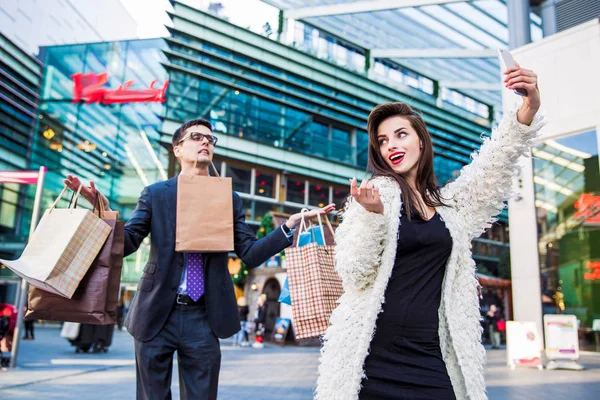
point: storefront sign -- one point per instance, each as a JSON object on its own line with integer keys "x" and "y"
{"x": 20, "y": 177}
{"x": 562, "y": 341}
{"x": 594, "y": 268}
{"x": 523, "y": 344}
{"x": 90, "y": 88}
{"x": 282, "y": 327}
{"x": 588, "y": 209}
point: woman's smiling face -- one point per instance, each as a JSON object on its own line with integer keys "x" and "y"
{"x": 399, "y": 145}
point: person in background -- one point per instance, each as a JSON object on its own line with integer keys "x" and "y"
{"x": 29, "y": 335}
{"x": 260, "y": 322}
{"x": 120, "y": 314}
{"x": 241, "y": 337}
{"x": 492, "y": 317}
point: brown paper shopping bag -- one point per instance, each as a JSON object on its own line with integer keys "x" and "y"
{"x": 95, "y": 300}
{"x": 314, "y": 285}
{"x": 62, "y": 248}
{"x": 204, "y": 214}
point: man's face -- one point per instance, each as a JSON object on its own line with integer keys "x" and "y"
{"x": 195, "y": 145}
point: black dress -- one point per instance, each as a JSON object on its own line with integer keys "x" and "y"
{"x": 405, "y": 360}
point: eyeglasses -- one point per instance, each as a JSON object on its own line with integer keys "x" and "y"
{"x": 198, "y": 137}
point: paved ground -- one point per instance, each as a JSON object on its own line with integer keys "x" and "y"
{"x": 50, "y": 369}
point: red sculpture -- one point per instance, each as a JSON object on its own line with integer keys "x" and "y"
{"x": 89, "y": 88}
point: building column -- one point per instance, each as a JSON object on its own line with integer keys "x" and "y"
{"x": 548, "y": 14}
{"x": 519, "y": 32}
{"x": 285, "y": 30}
{"x": 524, "y": 254}
{"x": 354, "y": 145}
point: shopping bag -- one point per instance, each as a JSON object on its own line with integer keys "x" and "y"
{"x": 62, "y": 248}
{"x": 70, "y": 330}
{"x": 313, "y": 234}
{"x": 204, "y": 214}
{"x": 314, "y": 285}
{"x": 95, "y": 300}
{"x": 284, "y": 296}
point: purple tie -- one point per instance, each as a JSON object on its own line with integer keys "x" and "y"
{"x": 195, "y": 276}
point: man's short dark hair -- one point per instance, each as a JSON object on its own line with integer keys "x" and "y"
{"x": 192, "y": 122}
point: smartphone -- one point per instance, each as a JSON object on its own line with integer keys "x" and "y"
{"x": 509, "y": 62}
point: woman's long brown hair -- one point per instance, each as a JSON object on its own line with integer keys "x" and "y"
{"x": 426, "y": 183}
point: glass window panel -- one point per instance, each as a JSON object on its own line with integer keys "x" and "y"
{"x": 318, "y": 195}
{"x": 7, "y": 214}
{"x": 567, "y": 200}
{"x": 247, "y": 206}
{"x": 260, "y": 209}
{"x": 265, "y": 184}
{"x": 295, "y": 190}
{"x": 339, "y": 197}
{"x": 240, "y": 178}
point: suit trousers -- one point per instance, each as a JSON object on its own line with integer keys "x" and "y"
{"x": 198, "y": 355}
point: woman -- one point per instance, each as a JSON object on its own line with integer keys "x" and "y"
{"x": 408, "y": 323}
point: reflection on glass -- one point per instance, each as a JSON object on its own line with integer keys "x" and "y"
{"x": 265, "y": 184}
{"x": 567, "y": 200}
{"x": 240, "y": 178}
{"x": 295, "y": 190}
{"x": 318, "y": 195}
{"x": 339, "y": 197}
{"x": 260, "y": 209}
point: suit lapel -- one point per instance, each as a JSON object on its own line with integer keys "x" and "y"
{"x": 170, "y": 200}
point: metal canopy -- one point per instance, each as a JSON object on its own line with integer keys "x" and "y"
{"x": 422, "y": 32}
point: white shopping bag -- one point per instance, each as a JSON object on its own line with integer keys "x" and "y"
{"x": 70, "y": 330}
{"x": 62, "y": 249}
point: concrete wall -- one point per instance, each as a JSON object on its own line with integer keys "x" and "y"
{"x": 568, "y": 66}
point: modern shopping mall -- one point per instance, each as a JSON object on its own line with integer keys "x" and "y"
{"x": 290, "y": 111}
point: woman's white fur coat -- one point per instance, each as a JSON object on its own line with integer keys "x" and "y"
{"x": 365, "y": 255}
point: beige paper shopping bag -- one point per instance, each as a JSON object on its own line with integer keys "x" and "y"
{"x": 96, "y": 298}
{"x": 62, "y": 249}
{"x": 204, "y": 214}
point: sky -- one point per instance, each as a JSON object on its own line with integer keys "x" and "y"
{"x": 151, "y": 16}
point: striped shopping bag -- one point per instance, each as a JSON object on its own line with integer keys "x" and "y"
{"x": 314, "y": 285}
{"x": 62, "y": 248}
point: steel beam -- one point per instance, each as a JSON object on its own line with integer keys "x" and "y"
{"x": 465, "y": 85}
{"x": 357, "y": 7}
{"x": 434, "y": 53}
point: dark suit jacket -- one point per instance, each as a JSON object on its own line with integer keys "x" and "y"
{"x": 155, "y": 214}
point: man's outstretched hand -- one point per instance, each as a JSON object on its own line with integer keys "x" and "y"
{"x": 88, "y": 192}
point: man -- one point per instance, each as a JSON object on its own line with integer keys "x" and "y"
{"x": 170, "y": 313}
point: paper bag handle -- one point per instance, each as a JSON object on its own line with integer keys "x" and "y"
{"x": 71, "y": 206}
{"x": 99, "y": 204}
{"x": 303, "y": 226}
{"x": 214, "y": 169}
{"x": 328, "y": 225}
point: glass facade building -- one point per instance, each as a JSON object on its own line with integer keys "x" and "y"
{"x": 261, "y": 90}
{"x": 117, "y": 145}
{"x": 567, "y": 200}
{"x": 20, "y": 78}
{"x": 291, "y": 126}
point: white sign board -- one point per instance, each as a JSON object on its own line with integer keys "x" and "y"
{"x": 562, "y": 342}
{"x": 523, "y": 344}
